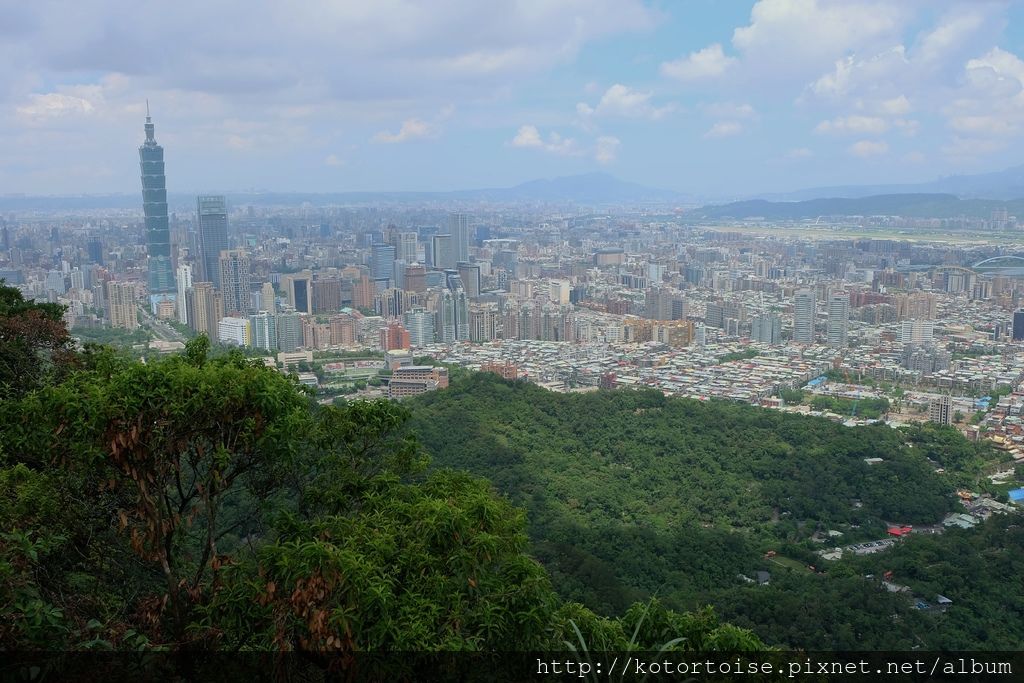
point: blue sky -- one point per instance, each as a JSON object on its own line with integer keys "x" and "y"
{"x": 707, "y": 97}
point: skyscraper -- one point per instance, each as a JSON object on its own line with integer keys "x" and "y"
{"x": 382, "y": 260}
{"x": 766, "y": 328}
{"x": 184, "y": 283}
{"x": 1018, "y": 325}
{"x": 838, "y": 318}
{"x": 235, "y": 281}
{"x": 121, "y": 304}
{"x": 443, "y": 252}
{"x": 154, "y": 206}
{"x": 407, "y": 247}
{"x": 212, "y": 214}
{"x": 205, "y": 308}
{"x": 805, "y": 309}
{"x": 458, "y": 228}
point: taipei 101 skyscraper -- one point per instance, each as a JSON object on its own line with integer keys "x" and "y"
{"x": 154, "y": 205}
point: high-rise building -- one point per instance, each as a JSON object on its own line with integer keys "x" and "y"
{"x": 121, "y": 305}
{"x": 184, "y": 284}
{"x": 443, "y": 252}
{"x": 420, "y": 324}
{"x": 407, "y": 247}
{"x": 393, "y": 337}
{"x": 299, "y": 290}
{"x": 212, "y": 214}
{"x": 235, "y": 280}
{"x": 263, "y": 328}
{"x": 805, "y": 310}
{"x": 940, "y": 410}
{"x": 1018, "y": 325}
{"x": 382, "y": 259}
{"x": 154, "y": 206}
{"x": 268, "y": 298}
{"x": 469, "y": 273}
{"x": 766, "y": 328}
{"x": 289, "y": 331}
{"x": 458, "y": 228}
{"x": 205, "y": 308}
{"x": 236, "y": 331}
{"x": 916, "y": 331}
{"x": 838, "y": 318}
{"x": 94, "y": 248}
{"x": 326, "y": 295}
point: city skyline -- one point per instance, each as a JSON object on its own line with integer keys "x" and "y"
{"x": 696, "y": 97}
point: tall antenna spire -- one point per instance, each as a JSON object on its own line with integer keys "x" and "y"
{"x": 147, "y": 109}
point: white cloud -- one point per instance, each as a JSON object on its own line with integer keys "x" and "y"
{"x": 799, "y": 153}
{"x": 54, "y": 105}
{"x": 729, "y": 110}
{"x": 607, "y": 149}
{"x": 724, "y": 129}
{"x": 854, "y": 124}
{"x": 711, "y": 62}
{"x": 334, "y": 160}
{"x": 412, "y": 129}
{"x": 622, "y": 101}
{"x": 529, "y": 136}
{"x": 868, "y": 148}
{"x": 897, "y": 106}
{"x": 793, "y": 38}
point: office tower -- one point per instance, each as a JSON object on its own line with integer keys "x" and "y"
{"x": 469, "y": 273}
{"x": 94, "y": 248}
{"x": 458, "y": 228}
{"x": 940, "y": 411}
{"x": 326, "y": 295}
{"x": 263, "y": 328}
{"x": 398, "y": 273}
{"x": 805, "y": 309}
{"x": 205, "y": 308}
{"x": 235, "y": 280}
{"x": 121, "y": 305}
{"x": 382, "y": 259}
{"x": 55, "y": 282}
{"x": 415, "y": 278}
{"x": 298, "y": 287}
{"x": 394, "y": 337}
{"x": 420, "y": 324}
{"x": 392, "y": 303}
{"x": 1018, "y": 325}
{"x": 212, "y": 215}
{"x": 154, "y": 206}
{"x": 838, "y": 318}
{"x": 77, "y": 279}
{"x": 407, "y": 247}
{"x": 268, "y": 298}
{"x": 235, "y": 331}
{"x": 289, "y": 331}
{"x": 766, "y": 328}
{"x": 443, "y": 252}
{"x": 184, "y": 278}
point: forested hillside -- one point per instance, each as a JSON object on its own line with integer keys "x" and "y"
{"x": 631, "y": 494}
{"x": 206, "y": 502}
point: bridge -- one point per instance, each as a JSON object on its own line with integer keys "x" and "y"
{"x": 1012, "y": 266}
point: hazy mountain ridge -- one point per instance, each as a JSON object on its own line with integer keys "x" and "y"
{"x": 918, "y": 205}
{"x": 1006, "y": 184}
{"x": 588, "y": 188}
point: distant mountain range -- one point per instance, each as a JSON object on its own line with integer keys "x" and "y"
{"x": 594, "y": 189}
{"x": 1006, "y": 184}
{"x": 909, "y": 205}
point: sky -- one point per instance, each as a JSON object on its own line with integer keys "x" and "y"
{"x": 706, "y": 97}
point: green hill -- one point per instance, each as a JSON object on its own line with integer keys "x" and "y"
{"x": 630, "y": 494}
